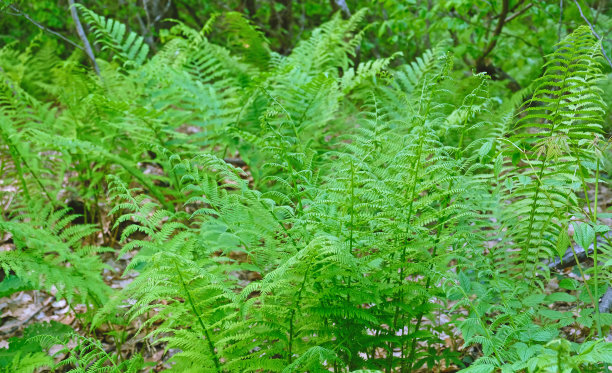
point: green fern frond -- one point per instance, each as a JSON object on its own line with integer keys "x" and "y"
{"x": 129, "y": 47}
{"x": 553, "y": 133}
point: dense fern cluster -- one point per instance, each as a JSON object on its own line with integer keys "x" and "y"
{"x": 303, "y": 213}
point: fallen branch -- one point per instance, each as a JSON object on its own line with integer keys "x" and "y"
{"x": 235, "y": 162}
{"x": 568, "y": 259}
{"x": 605, "y": 304}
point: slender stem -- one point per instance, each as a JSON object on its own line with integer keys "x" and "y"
{"x": 534, "y": 206}
{"x": 293, "y": 312}
{"x": 560, "y": 21}
{"x": 16, "y": 161}
{"x": 595, "y": 264}
{"x": 441, "y": 223}
{"x": 483, "y": 325}
{"x": 40, "y": 184}
{"x": 519, "y": 13}
{"x": 583, "y": 276}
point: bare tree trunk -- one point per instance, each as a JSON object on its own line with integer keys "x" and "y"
{"x": 83, "y": 37}
{"x": 250, "y": 6}
{"x": 282, "y": 24}
{"x": 340, "y": 5}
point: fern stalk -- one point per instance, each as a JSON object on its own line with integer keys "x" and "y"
{"x": 441, "y": 224}
{"x": 595, "y": 264}
{"x": 17, "y": 165}
{"x": 534, "y": 205}
{"x": 416, "y": 170}
{"x": 19, "y": 159}
{"x": 293, "y": 312}
{"x": 211, "y": 347}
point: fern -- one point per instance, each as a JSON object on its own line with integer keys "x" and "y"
{"x": 550, "y": 149}
{"x": 303, "y": 212}
{"x": 130, "y": 48}
{"x": 44, "y": 243}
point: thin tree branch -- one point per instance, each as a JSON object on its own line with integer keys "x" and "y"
{"x": 83, "y": 37}
{"x": 594, "y": 32}
{"x": 569, "y": 259}
{"x": 20, "y": 13}
{"x": 560, "y": 21}
{"x": 498, "y": 30}
{"x": 520, "y": 12}
{"x": 518, "y": 4}
{"x": 164, "y": 11}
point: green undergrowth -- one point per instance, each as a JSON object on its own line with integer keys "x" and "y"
{"x": 385, "y": 210}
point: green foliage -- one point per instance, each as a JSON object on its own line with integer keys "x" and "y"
{"x": 128, "y": 46}
{"x": 84, "y": 354}
{"x": 552, "y": 150}
{"x": 48, "y": 251}
{"x": 26, "y": 354}
{"x": 380, "y": 207}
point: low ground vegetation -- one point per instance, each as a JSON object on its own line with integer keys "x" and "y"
{"x": 227, "y": 207}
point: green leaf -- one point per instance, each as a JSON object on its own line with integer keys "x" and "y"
{"x": 480, "y": 368}
{"x": 569, "y": 284}
{"x": 498, "y": 165}
{"x": 13, "y": 284}
{"x": 524, "y": 180}
{"x": 524, "y": 351}
{"x": 606, "y": 318}
{"x": 516, "y": 157}
{"x": 551, "y": 314}
{"x": 560, "y": 297}
{"x": 485, "y": 149}
{"x": 534, "y": 300}
{"x": 583, "y": 234}
{"x": 563, "y": 242}
{"x": 586, "y": 317}
{"x": 464, "y": 282}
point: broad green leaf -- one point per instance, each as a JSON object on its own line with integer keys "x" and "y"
{"x": 563, "y": 242}
{"x": 560, "y": 297}
{"x": 534, "y": 300}
{"x": 464, "y": 282}
{"x": 583, "y": 234}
